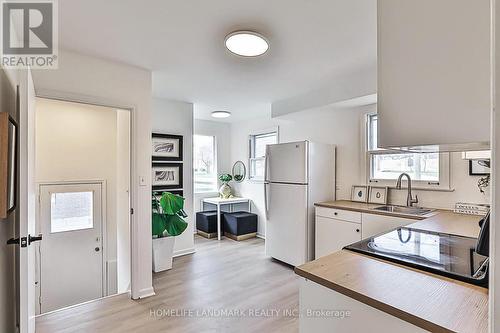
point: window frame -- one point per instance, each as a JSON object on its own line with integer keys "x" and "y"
{"x": 251, "y": 152}
{"x": 216, "y": 178}
{"x": 443, "y": 184}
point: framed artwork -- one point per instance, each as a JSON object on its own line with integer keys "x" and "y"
{"x": 8, "y": 164}
{"x": 479, "y": 168}
{"x": 159, "y": 192}
{"x": 359, "y": 193}
{"x": 378, "y": 194}
{"x": 166, "y": 147}
{"x": 166, "y": 176}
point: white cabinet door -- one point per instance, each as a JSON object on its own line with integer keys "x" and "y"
{"x": 434, "y": 73}
{"x": 332, "y": 235}
{"x": 376, "y": 224}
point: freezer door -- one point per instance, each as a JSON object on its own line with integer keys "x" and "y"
{"x": 287, "y": 163}
{"x": 287, "y": 236}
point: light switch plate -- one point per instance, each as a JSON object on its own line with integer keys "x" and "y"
{"x": 142, "y": 181}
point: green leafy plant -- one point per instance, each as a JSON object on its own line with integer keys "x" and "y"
{"x": 225, "y": 178}
{"x": 168, "y": 215}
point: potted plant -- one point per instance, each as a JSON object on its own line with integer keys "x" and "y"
{"x": 225, "y": 189}
{"x": 168, "y": 222}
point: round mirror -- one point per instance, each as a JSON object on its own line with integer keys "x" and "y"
{"x": 239, "y": 171}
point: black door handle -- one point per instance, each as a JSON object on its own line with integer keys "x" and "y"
{"x": 13, "y": 241}
{"x": 32, "y": 239}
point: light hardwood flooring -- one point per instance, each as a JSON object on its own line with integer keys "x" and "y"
{"x": 257, "y": 293}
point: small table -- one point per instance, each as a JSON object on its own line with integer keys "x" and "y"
{"x": 219, "y": 202}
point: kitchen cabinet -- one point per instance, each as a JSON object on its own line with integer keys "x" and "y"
{"x": 336, "y": 228}
{"x": 333, "y": 234}
{"x": 434, "y": 67}
{"x": 376, "y": 224}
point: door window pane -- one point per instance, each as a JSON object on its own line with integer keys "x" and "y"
{"x": 71, "y": 211}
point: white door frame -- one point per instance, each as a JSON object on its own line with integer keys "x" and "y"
{"x": 135, "y": 292}
{"x": 104, "y": 233}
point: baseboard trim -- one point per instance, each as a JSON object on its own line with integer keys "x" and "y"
{"x": 261, "y": 236}
{"x": 147, "y": 292}
{"x": 79, "y": 304}
{"x": 184, "y": 252}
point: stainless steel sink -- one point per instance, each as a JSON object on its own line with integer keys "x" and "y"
{"x": 405, "y": 210}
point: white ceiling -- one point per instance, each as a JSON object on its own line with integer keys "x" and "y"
{"x": 312, "y": 42}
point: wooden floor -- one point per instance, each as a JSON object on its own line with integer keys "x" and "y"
{"x": 257, "y": 294}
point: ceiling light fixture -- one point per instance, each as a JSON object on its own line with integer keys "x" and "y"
{"x": 246, "y": 43}
{"x": 221, "y": 114}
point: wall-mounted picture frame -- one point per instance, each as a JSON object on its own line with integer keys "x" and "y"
{"x": 479, "y": 168}
{"x": 8, "y": 164}
{"x": 166, "y": 147}
{"x": 378, "y": 194}
{"x": 166, "y": 176}
{"x": 359, "y": 193}
{"x": 176, "y": 192}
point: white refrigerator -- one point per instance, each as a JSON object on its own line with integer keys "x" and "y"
{"x": 297, "y": 175}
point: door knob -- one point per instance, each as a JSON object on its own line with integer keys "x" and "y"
{"x": 32, "y": 239}
{"x": 13, "y": 241}
{"x": 97, "y": 249}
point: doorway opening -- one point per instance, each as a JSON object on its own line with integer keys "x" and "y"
{"x": 82, "y": 171}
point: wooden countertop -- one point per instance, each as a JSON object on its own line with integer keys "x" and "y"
{"x": 430, "y": 301}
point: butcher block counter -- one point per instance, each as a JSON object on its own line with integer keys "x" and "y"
{"x": 421, "y": 300}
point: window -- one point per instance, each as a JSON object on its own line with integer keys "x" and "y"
{"x": 71, "y": 211}
{"x": 257, "y": 153}
{"x": 426, "y": 169}
{"x": 204, "y": 164}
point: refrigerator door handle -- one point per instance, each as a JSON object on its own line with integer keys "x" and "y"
{"x": 265, "y": 200}
{"x": 266, "y": 164}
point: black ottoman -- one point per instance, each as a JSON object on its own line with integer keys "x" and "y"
{"x": 240, "y": 225}
{"x": 206, "y": 224}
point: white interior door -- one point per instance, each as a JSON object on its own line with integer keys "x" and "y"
{"x": 286, "y": 227}
{"x": 71, "y": 254}
{"x": 27, "y": 204}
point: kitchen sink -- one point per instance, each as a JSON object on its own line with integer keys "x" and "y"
{"x": 405, "y": 210}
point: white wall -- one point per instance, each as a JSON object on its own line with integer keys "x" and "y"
{"x": 172, "y": 117}
{"x": 93, "y": 80}
{"x": 222, "y": 133}
{"x": 62, "y": 126}
{"x": 342, "y": 127}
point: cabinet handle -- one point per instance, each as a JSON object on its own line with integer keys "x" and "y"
{"x": 335, "y": 213}
{"x": 357, "y": 230}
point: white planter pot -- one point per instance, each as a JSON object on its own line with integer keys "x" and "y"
{"x": 163, "y": 249}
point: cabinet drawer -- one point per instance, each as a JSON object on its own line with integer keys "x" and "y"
{"x": 339, "y": 214}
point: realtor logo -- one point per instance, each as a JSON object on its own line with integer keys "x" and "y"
{"x": 29, "y": 34}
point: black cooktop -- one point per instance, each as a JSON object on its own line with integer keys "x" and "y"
{"x": 448, "y": 255}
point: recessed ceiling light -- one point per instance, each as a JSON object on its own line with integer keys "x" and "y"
{"x": 221, "y": 114}
{"x": 246, "y": 43}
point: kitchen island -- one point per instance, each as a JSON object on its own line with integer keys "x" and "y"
{"x": 349, "y": 292}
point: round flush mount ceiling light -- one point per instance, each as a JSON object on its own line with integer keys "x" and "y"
{"x": 221, "y": 114}
{"x": 246, "y": 43}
